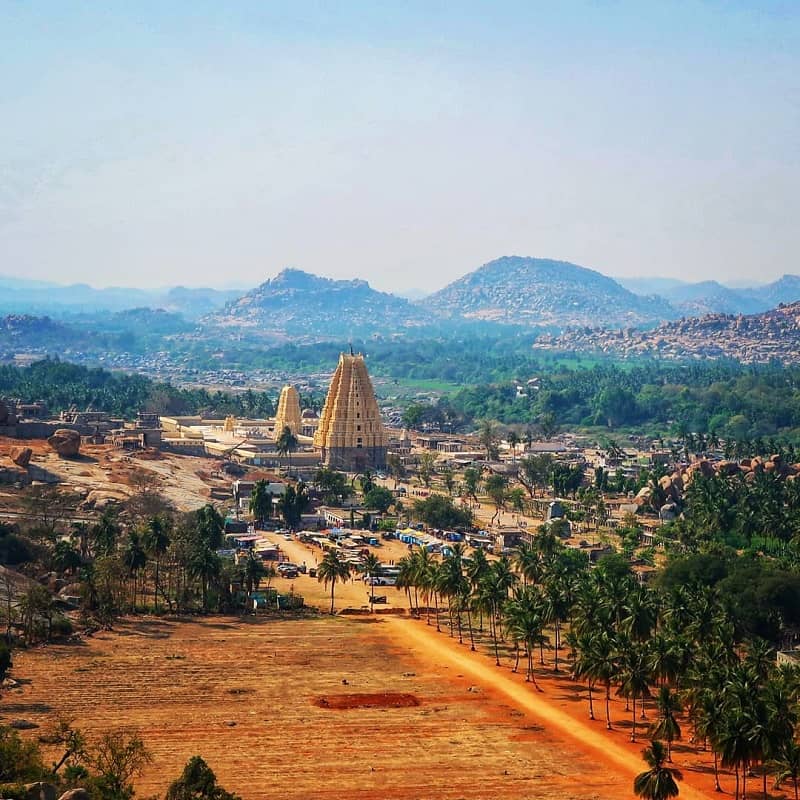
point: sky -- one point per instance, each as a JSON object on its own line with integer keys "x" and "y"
{"x": 407, "y": 143}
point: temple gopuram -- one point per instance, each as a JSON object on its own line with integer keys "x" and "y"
{"x": 350, "y": 435}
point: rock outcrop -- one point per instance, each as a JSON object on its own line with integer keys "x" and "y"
{"x": 5, "y": 414}
{"x": 75, "y": 794}
{"x": 21, "y": 456}
{"x": 40, "y": 791}
{"x": 65, "y": 442}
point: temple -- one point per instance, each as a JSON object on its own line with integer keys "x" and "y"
{"x": 288, "y": 413}
{"x": 350, "y": 435}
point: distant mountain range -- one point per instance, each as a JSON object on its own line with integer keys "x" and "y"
{"x": 532, "y": 292}
{"x": 21, "y": 296}
{"x": 712, "y": 297}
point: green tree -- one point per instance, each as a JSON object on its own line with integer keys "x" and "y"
{"x": 331, "y": 570}
{"x": 198, "y": 782}
{"x": 658, "y": 782}
{"x": 293, "y": 504}
{"x": 371, "y": 567}
{"x": 666, "y": 726}
{"x": 286, "y": 444}
{"x": 156, "y": 541}
{"x": 261, "y": 502}
{"x": 379, "y": 498}
{"x": 438, "y": 511}
{"x": 206, "y": 566}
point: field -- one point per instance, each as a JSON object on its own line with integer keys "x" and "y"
{"x": 266, "y": 703}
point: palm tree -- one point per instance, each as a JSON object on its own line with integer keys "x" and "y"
{"x": 254, "y": 571}
{"x": 135, "y": 558}
{"x": 156, "y": 542}
{"x": 512, "y": 437}
{"x": 371, "y": 566}
{"x": 666, "y": 727}
{"x": 525, "y": 623}
{"x": 786, "y": 764}
{"x": 583, "y": 665}
{"x": 204, "y": 565}
{"x": 286, "y": 443}
{"x": 658, "y": 782}
{"x": 331, "y": 570}
{"x": 527, "y": 562}
{"x": 634, "y": 675}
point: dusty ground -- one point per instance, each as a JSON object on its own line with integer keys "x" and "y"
{"x": 247, "y": 696}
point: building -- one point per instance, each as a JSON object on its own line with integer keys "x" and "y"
{"x": 350, "y": 435}
{"x": 288, "y": 413}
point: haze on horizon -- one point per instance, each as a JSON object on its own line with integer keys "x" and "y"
{"x": 214, "y": 144}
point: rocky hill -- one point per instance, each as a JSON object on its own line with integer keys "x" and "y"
{"x": 538, "y": 291}
{"x": 299, "y": 304}
{"x": 754, "y": 339}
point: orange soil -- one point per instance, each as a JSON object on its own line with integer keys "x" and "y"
{"x": 241, "y": 693}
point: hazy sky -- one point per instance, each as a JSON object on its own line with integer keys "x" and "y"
{"x": 212, "y": 143}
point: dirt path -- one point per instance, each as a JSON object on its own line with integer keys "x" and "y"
{"x": 425, "y": 644}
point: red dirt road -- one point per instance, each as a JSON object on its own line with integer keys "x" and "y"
{"x": 612, "y": 750}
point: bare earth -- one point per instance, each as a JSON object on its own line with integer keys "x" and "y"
{"x": 247, "y": 696}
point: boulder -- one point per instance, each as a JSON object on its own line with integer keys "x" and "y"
{"x": 727, "y": 467}
{"x": 40, "y": 791}
{"x": 21, "y": 456}
{"x": 65, "y": 442}
{"x": 75, "y": 794}
{"x": 100, "y": 499}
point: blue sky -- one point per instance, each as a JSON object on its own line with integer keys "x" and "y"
{"x": 209, "y": 143}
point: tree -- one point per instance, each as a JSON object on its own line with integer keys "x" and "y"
{"x": 331, "y": 570}
{"x": 117, "y": 757}
{"x": 210, "y": 526}
{"x": 333, "y": 485}
{"x": 254, "y": 573}
{"x": 371, "y": 567}
{"x": 292, "y": 504}
{"x": 472, "y": 480}
{"x": 198, "y": 782}
{"x": 204, "y": 565}
{"x": 379, "y": 498}
{"x": 19, "y": 760}
{"x": 658, "y": 782}
{"x": 156, "y": 540}
{"x": 634, "y": 675}
{"x": 261, "y": 502}
{"x": 666, "y": 727}
{"x": 512, "y": 437}
{"x": 786, "y": 764}
{"x": 496, "y": 486}
{"x": 425, "y": 467}
{"x": 135, "y": 558}
{"x": 535, "y": 471}
{"x": 439, "y": 511}
{"x": 488, "y": 439}
{"x": 286, "y": 444}
{"x": 396, "y": 467}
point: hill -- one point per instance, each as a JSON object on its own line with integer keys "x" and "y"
{"x": 713, "y": 297}
{"x": 299, "y": 304}
{"x": 772, "y": 335}
{"x": 538, "y": 291}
